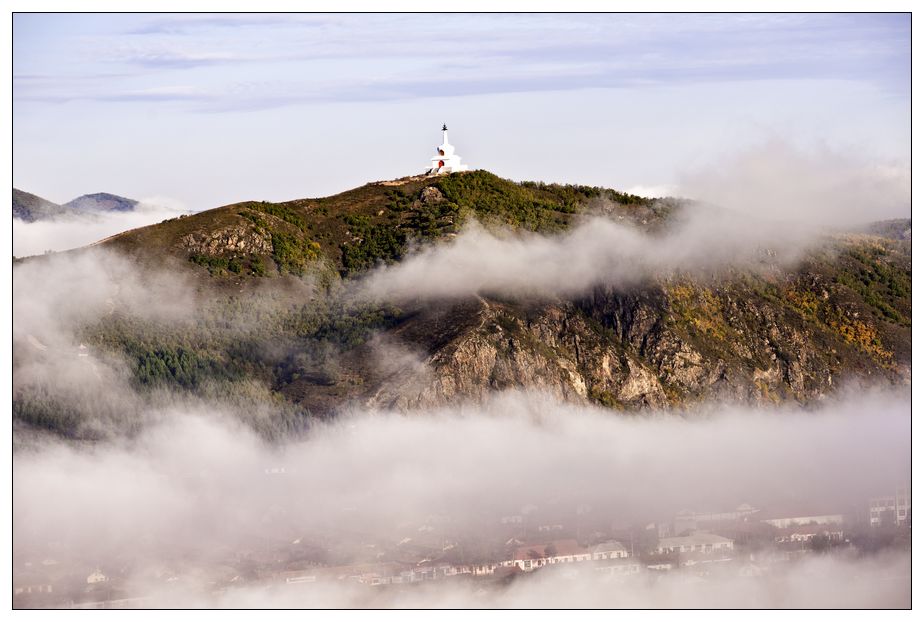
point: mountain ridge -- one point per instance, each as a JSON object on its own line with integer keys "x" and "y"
{"x": 30, "y": 207}
{"x": 759, "y": 335}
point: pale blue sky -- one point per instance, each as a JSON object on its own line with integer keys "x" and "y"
{"x": 215, "y": 109}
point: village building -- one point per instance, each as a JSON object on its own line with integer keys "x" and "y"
{"x": 611, "y": 549}
{"x": 300, "y": 576}
{"x": 695, "y": 543}
{"x": 32, "y": 587}
{"x": 372, "y": 574}
{"x": 818, "y": 519}
{"x": 483, "y": 569}
{"x": 528, "y": 558}
{"x": 805, "y": 533}
{"x": 687, "y": 520}
{"x": 894, "y": 510}
{"x": 96, "y": 577}
{"x": 743, "y": 510}
{"x": 477, "y": 570}
{"x": 445, "y": 160}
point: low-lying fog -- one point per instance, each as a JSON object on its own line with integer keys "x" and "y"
{"x": 196, "y": 491}
{"x": 81, "y": 228}
{"x": 881, "y": 582}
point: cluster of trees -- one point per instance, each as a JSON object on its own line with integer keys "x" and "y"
{"x": 281, "y": 211}
{"x": 235, "y": 264}
{"x": 386, "y": 242}
{"x": 572, "y": 195}
{"x": 293, "y": 253}
{"x": 231, "y": 339}
{"x": 882, "y": 285}
{"x": 375, "y": 242}
{"x": 178, "y": 365}
{"x": 237, "y": 351}
{"x": 494, "y": 199}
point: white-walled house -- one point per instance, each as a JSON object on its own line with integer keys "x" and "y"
{"x": 611, "y": 549}
{"x": 818, "y": 519}
{"x": 529, "y": 558}
{"x": 695, "y": 543}
{"x": 97, "y": 577}
{"x": 805, "y": 533}
{"x": 742, "y": 511}
{"x": 892, "y": 509}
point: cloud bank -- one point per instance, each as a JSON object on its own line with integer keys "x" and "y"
{"x": 831, "y": 582}
{"x": 197, "y": 491}
{"x": 599, "y": 251}
{"x": 81, "y": 229}
{"x": 805, "y": 186}
{"x": 53, "y": 296}
{"x": 65, "y": 301}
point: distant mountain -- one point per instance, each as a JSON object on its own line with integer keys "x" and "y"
{"x": 897, "y": 229}
{"x": 102, "y": 202}
{"x": 30, "y": 207}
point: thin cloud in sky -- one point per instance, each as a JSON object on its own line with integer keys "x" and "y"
{"x": 529, "y": 96}
{"x": 518, "y": 53}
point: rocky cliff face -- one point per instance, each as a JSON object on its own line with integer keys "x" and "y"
{"x": 230, "y": 239}
{"x": 771, "y": 338}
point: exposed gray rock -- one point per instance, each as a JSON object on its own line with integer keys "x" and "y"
{"x": 431, "y": 195}
{"x": 231, "y": 239}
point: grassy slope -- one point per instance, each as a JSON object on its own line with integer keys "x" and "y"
{"x": 354, "y": 230}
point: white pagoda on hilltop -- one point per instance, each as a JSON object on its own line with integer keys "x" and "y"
{"x": 445, "y": 160}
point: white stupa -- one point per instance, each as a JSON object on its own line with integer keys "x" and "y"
{"x": 445, "y": 160}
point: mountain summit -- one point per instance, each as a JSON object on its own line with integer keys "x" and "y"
{"x": 102, "y": 202}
